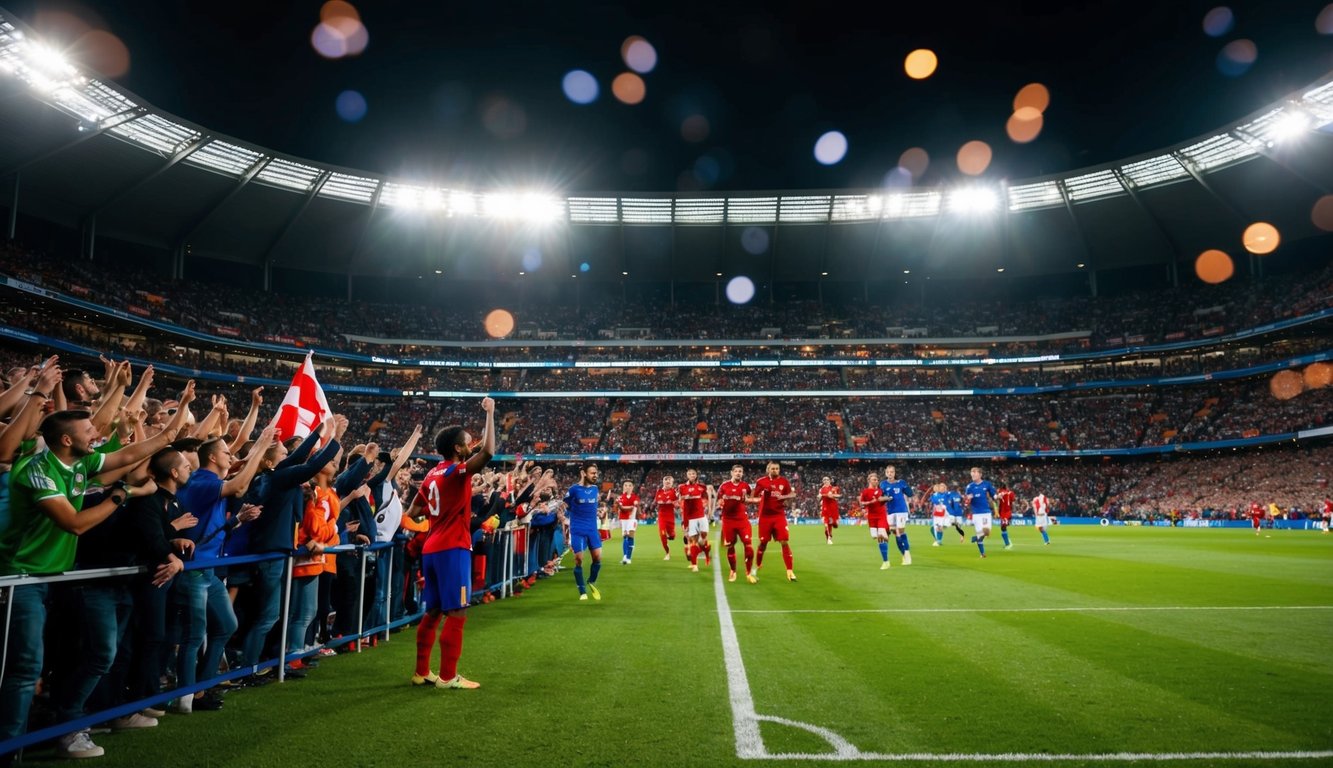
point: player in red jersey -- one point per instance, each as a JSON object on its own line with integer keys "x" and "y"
{"x": 877, "y": 516}
{"x": 445, "y": 498}
{"x": 627, "y": 505}
{"x": 1004, "y": 501}
{"x": 667, "y": 499}
{"x": 1256, "y": 516}
{"x": 1328, "y": 514}
{"x": 828, "y": 506}
{"x": 693, "y": 497}
{"x": 1041, "y": 515}
{"x": 771, "y": 493}
{"x": 733, "y": 495}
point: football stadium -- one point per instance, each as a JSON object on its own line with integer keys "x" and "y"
{"x": 613, "y": 384}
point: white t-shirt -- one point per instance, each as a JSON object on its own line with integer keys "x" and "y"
{"x": 389, "y": 516}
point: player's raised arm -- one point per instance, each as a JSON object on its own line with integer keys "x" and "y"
{"x": 487, "y": 448}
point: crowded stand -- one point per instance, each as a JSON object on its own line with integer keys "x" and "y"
{"x": 1144, "y": 317}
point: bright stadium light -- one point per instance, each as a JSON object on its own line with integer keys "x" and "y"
{"x": 462, "y": 203}
{"x": 973, "y": 200}
{"x": 533, "y": 207}
{"x": 1291, "y": 125}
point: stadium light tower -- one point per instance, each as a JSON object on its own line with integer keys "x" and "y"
{"x": 973, "y": 200}
{"x": 1291, "y": 125}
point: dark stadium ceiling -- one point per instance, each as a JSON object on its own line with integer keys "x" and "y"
{"x": 92, "y": 154}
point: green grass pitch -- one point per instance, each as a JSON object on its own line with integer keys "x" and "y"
{"x": 952, "y": 654}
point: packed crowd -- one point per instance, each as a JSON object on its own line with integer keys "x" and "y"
{"x": 1143, "y": 317}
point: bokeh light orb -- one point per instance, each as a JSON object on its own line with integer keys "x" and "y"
{"x": 334, "y": 9}
{"x": 351, "y": 106}
{"x": 1318, "y": 375}
{"x": 532, "y": 259}
{"x": 1214, "y": 266}
{"x": 755, "y": 240}
{"x": 974, "y": 158}
{"x": 740, "y": 290}
{"x": 1323, "y": 23}
{"x": 584, "y": 267}
{"x": 1261, "y": 238}
{"x": 104, "y": 52}
{"x": 1286, "y": 384}
{"x": 580, "y": 86}
{"x": 921, "y": 64}
{"x": 915, "y": 161}
{"x": 629, "y": 88}
{"x": 499, "y": 323}
{"x": 639, "y": 54}
{"x": 831, "y": 148}
{"x": 503, "y": 118}
{"x": 1322, "y": 213}
{"x": 1218, "y": 21}
{"x": 1236, "y": 57}
{"x": 1024, "y": 125}
{"x": 1033, "y": 95}
{"x": 694, "y": 128}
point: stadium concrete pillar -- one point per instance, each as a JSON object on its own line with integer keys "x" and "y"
{"x": 1092, "y": 282}
{"x": 89, "y": 236}
{"x": 268, "y": 275}
{"x": 14, "y": 208}
{"x": 178, "y": 262}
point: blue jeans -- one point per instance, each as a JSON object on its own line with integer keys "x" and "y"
{"x": 304, "y": 606}
{"x": 104, "y": 614}
{"x": 24, "y": 665}
{"x": 206, "y": 612}
{"x": 267, "y": 583}
{"x": 396, "y": 576}
{"x": 376, "y": 616}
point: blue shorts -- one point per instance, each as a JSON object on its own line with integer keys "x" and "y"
{"x": 581, "y": 540}
{"x": 448, "y": 576}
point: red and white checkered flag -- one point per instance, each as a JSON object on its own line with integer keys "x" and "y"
{"x": 304, "y": 406}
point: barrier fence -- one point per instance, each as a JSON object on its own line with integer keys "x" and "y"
{"x": 508, "y": 561}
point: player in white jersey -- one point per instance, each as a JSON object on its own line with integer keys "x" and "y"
{"x": 1041, "y": 511}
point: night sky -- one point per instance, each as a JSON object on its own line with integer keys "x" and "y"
{"x": 469, "y": 95}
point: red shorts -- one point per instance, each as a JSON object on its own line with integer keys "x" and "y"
{"x": 1255, "y": 521}
{"x": 667, "y": 525}
{"x": 877, "y": 519}
{"x": 731, "y": 529}
{"x": 772, "y": 527}
{"x": 603, "y": 534}
{"x": 1004, "y": 519}
{"x": 830, "y": 518}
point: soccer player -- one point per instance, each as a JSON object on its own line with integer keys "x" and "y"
{"x": 1328, "y": 514}
{"x": 1041, "y": 511}
{"x": 771, "y": 493}
{"x": 736, "y": 522}
{"x": 581, "y": 501}
{"x": 877, "y": 518}
{"x": 1004, "y": 500}
{"x": 445, "y": 497}
{"x": 1256, "y": 516}
{"x": 628, "y": 505}
{"x": 956, "y": 514}
{"x": 828, "y": 506}
{"x": 980, "y": 495}
{"x": 939, "y": 512}
{"x": 896, "y": 491}
{"x": 667, "y": 500}
{"x": 693, "y": 497}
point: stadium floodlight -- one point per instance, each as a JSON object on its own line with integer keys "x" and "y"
{"x": 533, "y": 207}
{"x": 970, "y": 200}
{"x": 432, "y": 199}
{"x": 1290, "y": 125}
{"x": 462, "y": 203}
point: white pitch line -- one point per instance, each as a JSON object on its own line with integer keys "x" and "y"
{"x": 1090, "y": 609}
{"x": 750, "y": 742}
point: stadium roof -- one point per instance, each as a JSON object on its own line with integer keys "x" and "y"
{"x": 86, "y": 153}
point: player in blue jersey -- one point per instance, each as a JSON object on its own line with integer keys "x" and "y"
{"x": 896, "y": 492}
{"x": 980, "y": 496}
{"x": 939, "y": 512}
{"x": 581, "y": 501}
{"x": 957, "y": 515}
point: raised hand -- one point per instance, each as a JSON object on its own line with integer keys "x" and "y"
{"x": 187, "y": 396}
{"x": 256, "y": 397}
{"x": 488, "y": 405}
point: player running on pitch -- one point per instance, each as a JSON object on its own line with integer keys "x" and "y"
{"x": 1041, "y": 513}
{"x": 771, "y": 493}
{"x": 693, "y": 497}
{"x": 939, "y": 512}
{"x": 980, "y": 495}
{"x": 897, "y": 492}
{"x": 828, "y": 506}
{"x": 628, "y": 506}
{"x": 667, "y": 499}
{"x": 1004, "y": 506}
{"x": 877, "y": 519}
{"x": 733, "y": 495}
{"x": 957, "y": 515}
{"x": 581, "y": 501}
